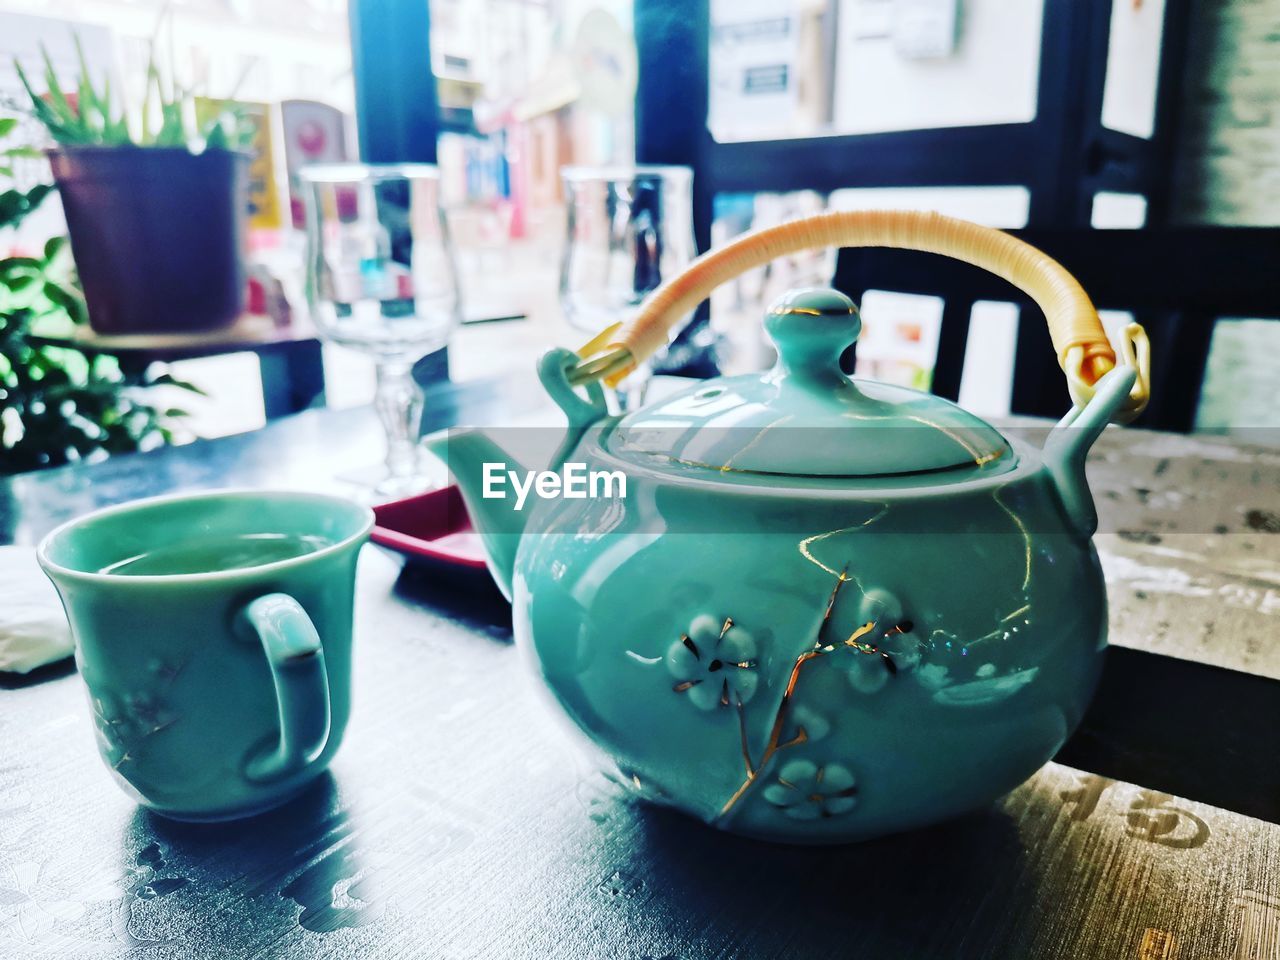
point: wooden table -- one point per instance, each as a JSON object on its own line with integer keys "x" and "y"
{"x": 460, "y": 820}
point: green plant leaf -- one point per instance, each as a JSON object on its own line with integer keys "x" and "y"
{"x": 115, "y": 132}
{"x": 43, "y": 112}
{"x": 171, "y": 132}
{"x": 53, "y": 246}
{"x": 152, "y": 82}
{"x": 21, "y": 282}
{"x": 169, "y": 380}
{"x": 90, "y": 117}
{"x": 93, "y": 112}
{"x": 216, "y": 137}
{"x": 164, "y": 120}
{"x": 10, "y": 264}
{"x": 71, "y": 118}
{"x": 14, "y": 204}
{"x": 27, "y": 153}
{"x": 7, "y": 124}
{"x": 68, "y": 301}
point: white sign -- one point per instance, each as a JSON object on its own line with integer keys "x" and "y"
{"x": 1133, "y": 67}
{"x": 925, "y": 29}
{"x": 990, "y": 76}
{"x": 753, "y": 69}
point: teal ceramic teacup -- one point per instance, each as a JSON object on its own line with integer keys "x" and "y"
{"x": 214, "y": 634}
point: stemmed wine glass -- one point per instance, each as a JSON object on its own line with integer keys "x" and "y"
{"x": 381, "y": 279}
{"x": 628, "y": 229}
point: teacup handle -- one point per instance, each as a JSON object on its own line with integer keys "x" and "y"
{"x": 296, "y": 660}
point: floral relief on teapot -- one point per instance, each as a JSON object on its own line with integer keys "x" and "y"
{"x": 713, "y": 665}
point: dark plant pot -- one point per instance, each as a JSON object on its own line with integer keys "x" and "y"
{"x": 156, "y": 234}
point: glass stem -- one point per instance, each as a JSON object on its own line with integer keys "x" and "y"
{"x": 632, "y": 390}
{"x": 399, "y": 403}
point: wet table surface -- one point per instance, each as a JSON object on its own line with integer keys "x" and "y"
{"x": 460, "y": 820}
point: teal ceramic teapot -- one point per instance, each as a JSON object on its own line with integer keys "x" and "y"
{"x": 823, "y": 609}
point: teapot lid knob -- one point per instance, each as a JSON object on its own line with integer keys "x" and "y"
{"x": 811, "y": 328}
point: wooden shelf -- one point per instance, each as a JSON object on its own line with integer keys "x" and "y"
{"x": 249, "y": 333}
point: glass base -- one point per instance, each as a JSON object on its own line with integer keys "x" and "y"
{"x": 376, "y": 485}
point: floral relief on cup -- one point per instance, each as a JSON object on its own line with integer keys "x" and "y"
{"x": 124, "y": 721}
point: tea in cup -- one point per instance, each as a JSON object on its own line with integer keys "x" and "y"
{"x": 213, "y": 631}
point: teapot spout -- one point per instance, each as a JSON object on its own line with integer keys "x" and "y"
{"x": 479, "y": 465}
{"x": 469, "y": 455}
{"x": 1069, "y": 443}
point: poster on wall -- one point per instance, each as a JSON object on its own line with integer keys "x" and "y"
{"x": 312, "y": 133}
{"x": 899, "y": 338}
{"x": 925, "y": 64}
{"x": 264, "y": 197}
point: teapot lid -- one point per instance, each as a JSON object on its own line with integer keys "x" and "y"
{"x": 806, "y": 418}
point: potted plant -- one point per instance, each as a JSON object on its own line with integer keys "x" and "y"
{"x": 155, "y": 204}
{"x": 58, "y": 405}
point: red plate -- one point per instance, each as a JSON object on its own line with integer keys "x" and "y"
{"x": 430, "y": 526}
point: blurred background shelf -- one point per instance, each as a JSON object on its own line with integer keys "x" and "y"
{"x": 289, "y": 356}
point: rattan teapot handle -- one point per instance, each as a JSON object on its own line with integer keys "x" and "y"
{"x": 1084, "y": 352}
